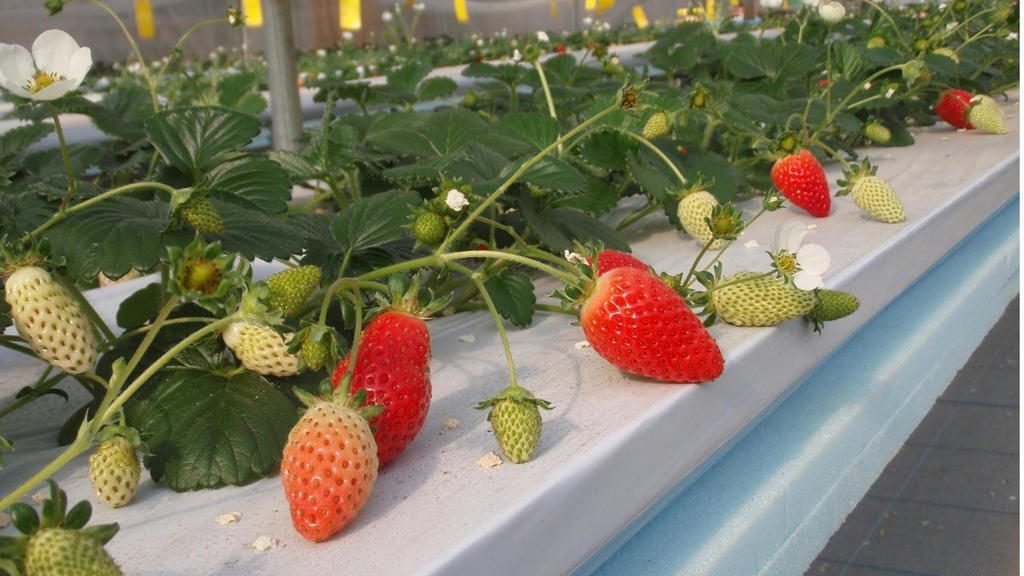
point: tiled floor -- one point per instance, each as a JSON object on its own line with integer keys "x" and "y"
{"x": 947, "y": 504}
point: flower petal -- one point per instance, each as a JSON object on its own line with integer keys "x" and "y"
{"x": 806, "y": 281}
{"x": 814, "y": 259}
{"x": 16, "y": 69}
{"x": 79, "y": 65}
{"x": 52, "y": 51}
{"x": 789, "y": 236}
{"x": 55, "y": 90}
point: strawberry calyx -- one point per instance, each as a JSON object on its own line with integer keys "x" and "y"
{"x": 56, "y": 514}
{"x": 852, "y": 174}
{"x": 516, "y": 393}
{"x": 341, "y": 396}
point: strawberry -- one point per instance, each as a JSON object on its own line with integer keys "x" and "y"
{"x": 656, "y": 126}
{"x": 611, "y": 259}
{"x": 952, "y": 107}
{"x": 393, "y": 366}
{"x": 429, "y": 228}
{"x": 114, "y": 471}
{"x": 985, "y": 115}
{"x": 290, "y": 289}
{"x": 515, "y": 418}
{"x": 948, "y": 53}
{"x": 314, "y": 353}
{"x": 50, "y": 320}
{"x": 642, "y": 326}
{"x": 833, "y": 305}
{"x": 329, "y": 467}
{"x": 694, "y": 210}
{"x": 871, "y": 194}
{"x": 60, "y": 552}
{"x": 801, "y": 179}
{"x": 877, "y": 133}
{"x": 202, "y": 215}
{"x": 758, "y": 299}
{"x": 261, "y": 349}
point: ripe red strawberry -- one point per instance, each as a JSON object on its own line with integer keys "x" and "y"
{"x": 642, "y": 326}
{"x": 608, "y": 260}
{"x": 393, "y": 366}
{"x": 801, "y": 179}
{"x": 328, "y": 468}
{"x": 952, "y": 107}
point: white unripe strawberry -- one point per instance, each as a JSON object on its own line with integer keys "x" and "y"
{"x": 693, "y": 211}
{"x": 261, "y": 349}
{"x": 50, "y": 320}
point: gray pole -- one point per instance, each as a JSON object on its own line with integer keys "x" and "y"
{"x": 286, "y": 118}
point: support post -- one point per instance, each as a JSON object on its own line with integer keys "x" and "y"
{"x": 286, "y": 118}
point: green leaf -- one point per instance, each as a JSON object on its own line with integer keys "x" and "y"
{"x": 431, "y": 133}
{"x": 242, "y": 92}
{"x": 195, "y": 139}
{"x": 719, "y": 176}
{"x": 140, "y": 307}
{"x": 122, "y": 112}
{"x": 607, "y": 149}
{"x": 581, "y": 226}
{"x": 22, "y": 212}
{"x": 112, "y": 237}
{"x": 434, "y": 88}
{"x": 16, "y": 140}
{"x": 255, "y": 234}
{"x": 513, "y": 296}
{"x": 598, "y": 197}
{"x": 48, "y": 163}
{"x": 205, "y": 430}
{"x": 406, "y": 77}
{"x": 373, "y": 221}
{"x": 770, "y": 59}
{"x": 294, "y": 164}
{"x": 536, "y": 129}
{"x": 253, "y": 181}
{"x": 556, "y": 174}
{"x": 847, "y": 59}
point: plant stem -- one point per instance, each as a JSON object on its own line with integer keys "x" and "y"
{"x": 722, "y": 250}
{"x": 498, "y": 323}
{"x": 44, "y": 383}
{"x": 135, "y": 49}
{"x": 519, "y": 173}
{"x": 547, "y": 89}
{"x": 646, "y": 210}
{"x": 442, "y": 259}
{"x": 895, "y": 27}
{"x": 344, "y": 385}
{"x": 11, "y": 345}
{"x": 59, "y": 216}
{"x": 171, "y": 322}
{"x": 860, "y": 86}
{"x": 657, "y": 151}
{"x": 693, "y": 267}
{"x": 66, "y": 155}
{"x": 181, "y": 42}
{"x": 80, "y": 444}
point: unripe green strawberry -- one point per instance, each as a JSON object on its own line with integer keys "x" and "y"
{"x": 114, "y": 471}
{"x": 314, "y": 353}
{"x": 429, "y": 228}
{"x": 833, "y": 305}
{"x": 657, "y": 126}
{"x": 517, "y": 428}
{"x": 948, "y": 53}
{"x": 693, "y": 210}
{"x": 261, "y": 349}
{"x": 50, "y": 320}
{"x": 202, "y": 215}
{"x": 757, "y": 299}
{"x": 877, "y": 132}
{"x": 61, "y": 552}
{"x": 876, "y": 42}
{"x": 290, "y": 289}
{"x": 876, "y": 198}
{"x": 986, "y": 116}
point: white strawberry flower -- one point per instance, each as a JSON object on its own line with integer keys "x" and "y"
{"x": 517, "y": 56}
{"x": 574, "y": 257}
{"x": 542, "y": 36}
{"x": 832, "y": 12}
{"x": 771, "y": 4}
{"x": 347, "y": 35}
{"x": 456, "y": 200}
{"x": 419, "y": 7}
{"x": 386, "y": 16}
{"x": 804, "y": 263}
{"x": 1011, "y": 36}
{"x": 57, "y": 65}
{"x": 321, "y": 53}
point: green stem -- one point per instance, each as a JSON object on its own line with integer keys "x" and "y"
{"x": 66, "y": 155}
{"x": 344, "y": 385}
{"x": 743, "y": 280}
{"x": 696, "y": 261}
{"x": 860, "y": 86}
{"x": 171, "y": 322}
{"x": 181, "y": 42}
{"x": 470, "y": 307}
{"x": 519, "y": 173}
{"x": 657, "y": 151}
{"x": 722, "y": 250}
{"x": 831, "y": 152}
{"x": 498, "y": 323}
{"x": 135, "y": 49}
{"x": 547, "y": 89}
{"x": 442, "y": 259}
{"x": 80, "y": 444}
{"x": 59, "y": 216}
{"x": 646, "y": 210}
{"x": 892, "y": 23}
{"x": 44, "y": 383}
{"x": 11, "y": 345}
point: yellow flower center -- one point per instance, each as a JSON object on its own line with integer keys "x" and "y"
{"x": 785, "y": 262}
{"x": 42, "y": 80}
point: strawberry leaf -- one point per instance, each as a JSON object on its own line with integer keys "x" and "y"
{"x": 206, "y": 430}
{"x": 770, "y": 59}
{"x": 122, "y": 112}
{"x": 254, "y": 234}
{"x": 195, "y": 139}
{"x": 556, "y": 174}
{"x": 533, "y": 128}
{"x": 256, "y": 182}
{"x": 513, "y": 296}
{"x": 21, "y": 212}
{"x": 16, "y": 140}
{"x": 140, "y": 307}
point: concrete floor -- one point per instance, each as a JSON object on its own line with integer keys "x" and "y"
{"x": 947, "y": 504}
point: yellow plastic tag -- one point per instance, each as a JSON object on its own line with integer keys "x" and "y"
{"x": 710, "y": 10}
{"x": 144, "y": 19}
{"x": 604, "y": 5}
{"x": 253, "y": 13}
{"x": 640, "y": 17}
{"x": 590, "y": 5}
{"x": 461, "y": 12}
{"x": 350, "y": 14}
{"x": 554, "y": 10}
